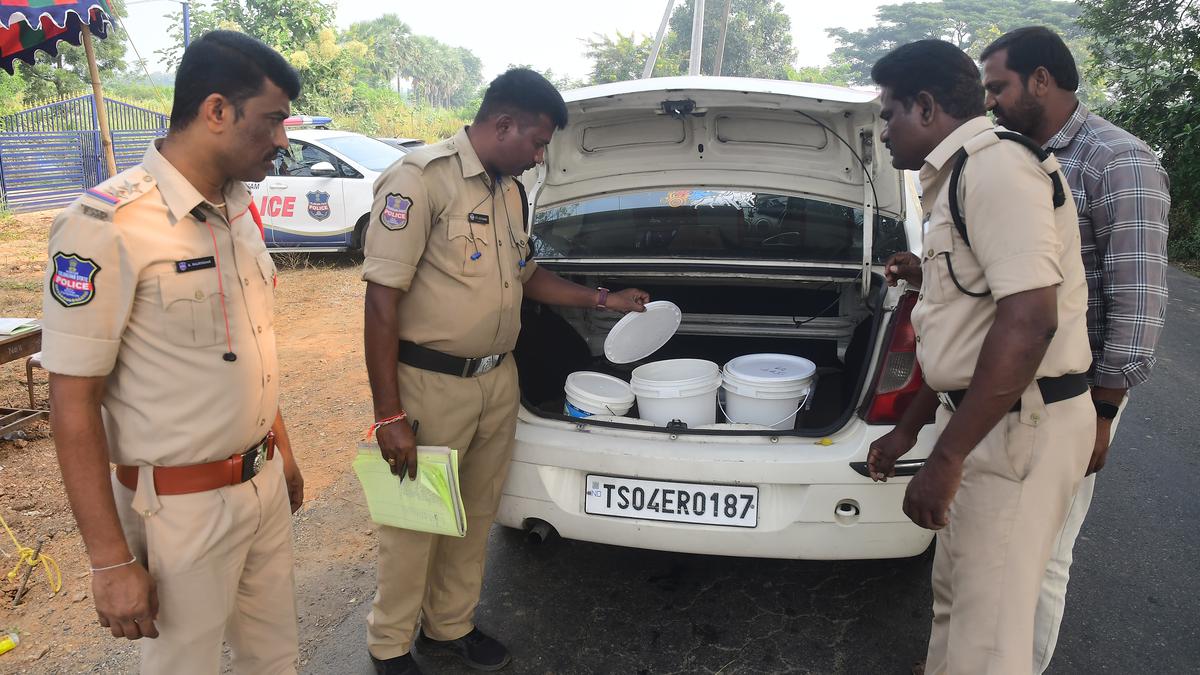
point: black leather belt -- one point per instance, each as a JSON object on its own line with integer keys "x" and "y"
{"x": 1054, "y": 389}
{"x": 415, "y": 355}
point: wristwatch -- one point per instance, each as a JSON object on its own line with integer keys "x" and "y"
{"x": 601, "y": 297}
{"x": 1105, "y": 409}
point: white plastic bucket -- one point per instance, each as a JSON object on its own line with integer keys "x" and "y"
{"x": 766, "y": 389}
{"x": 677, "y": 389}
{"x": 591, "y": 393}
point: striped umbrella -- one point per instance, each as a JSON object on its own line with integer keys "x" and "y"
{"x": 29, "y": 25}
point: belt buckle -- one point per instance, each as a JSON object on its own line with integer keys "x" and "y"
{"x": 252, "y": 461}
{"x": 946, "y": 401}
{"x": 479, "y": 366}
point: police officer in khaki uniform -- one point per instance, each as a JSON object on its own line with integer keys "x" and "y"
{"x": 447, "y": 264}
{"x": 159, "y": 341}
{"x": 1002, "y": 341}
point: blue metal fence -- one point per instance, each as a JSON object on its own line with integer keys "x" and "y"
{"x": 51, "y": 153}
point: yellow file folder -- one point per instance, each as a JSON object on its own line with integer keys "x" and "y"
{"x": 431, "y": 503}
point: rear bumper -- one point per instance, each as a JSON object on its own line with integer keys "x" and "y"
{"x": 800, "y": 485}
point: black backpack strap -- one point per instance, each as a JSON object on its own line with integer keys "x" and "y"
{"x": 960, "y": 160}
{"x": 524, "y": 204}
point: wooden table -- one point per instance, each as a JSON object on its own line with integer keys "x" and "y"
{"x": 13, "y": 347}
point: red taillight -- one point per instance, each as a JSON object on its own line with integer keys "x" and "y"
{"x": 899, "y": 377}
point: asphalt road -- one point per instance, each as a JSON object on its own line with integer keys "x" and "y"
{"x": 1132, "y": 606}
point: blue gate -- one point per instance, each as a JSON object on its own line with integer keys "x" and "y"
{"x": 49, "y": 154}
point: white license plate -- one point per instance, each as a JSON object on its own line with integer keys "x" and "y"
{"x": 729, "y": 505}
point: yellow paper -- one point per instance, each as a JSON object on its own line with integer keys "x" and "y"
{"x": 431, "y": 503}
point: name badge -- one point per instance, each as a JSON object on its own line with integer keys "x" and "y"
{"x": 478, "y": 218}
{"x": 194, "y": 264}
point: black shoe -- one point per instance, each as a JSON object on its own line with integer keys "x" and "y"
{"x": 476, "y": 649}
{"x": 401, "y": 665}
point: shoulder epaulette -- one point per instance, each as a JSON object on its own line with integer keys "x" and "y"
{"x": 126, "y": 187}
{"x": 422, "y": 156}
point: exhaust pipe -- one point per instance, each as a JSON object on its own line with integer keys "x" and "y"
{"x": 538, "y": 531}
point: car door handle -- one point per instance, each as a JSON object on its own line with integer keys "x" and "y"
{"x": 276, "y": 185}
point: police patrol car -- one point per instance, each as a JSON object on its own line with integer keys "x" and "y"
{"x": 317, "y": 197}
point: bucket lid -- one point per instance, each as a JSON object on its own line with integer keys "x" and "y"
{"x": 640, "y": 334}
{"x": 600, "y": 387}
{"x": 770, "y": 369}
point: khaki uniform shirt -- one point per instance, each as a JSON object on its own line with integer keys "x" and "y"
{"x": 453, "y": 240}
{"x": 1019, "y": 242}
{"x": 133, "y": 294}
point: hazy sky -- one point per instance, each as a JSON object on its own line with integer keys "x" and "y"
{"x": 542, "y": 33}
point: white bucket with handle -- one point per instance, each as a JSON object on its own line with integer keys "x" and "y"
{"x": 677, "y": 389}
{"x": 591, "y": 394}
{"x": 767, "y": 389}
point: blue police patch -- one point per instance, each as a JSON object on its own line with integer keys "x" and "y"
{"x": 318, "y": 205}
{"x": 73, "y": 283}
{"x": 395, "y": 211}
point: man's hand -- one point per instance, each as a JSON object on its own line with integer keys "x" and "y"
{"x": 127, "y": 601}
{"x": 927, "y": 499}
{"x": 398, "y": 445}
{"x": 295, "y": 482}
{"x": 1100, "y": 450}
{"x": 627, "y": 300}
{"x": 881, "y": 460}
{"x": 903, "y": 265}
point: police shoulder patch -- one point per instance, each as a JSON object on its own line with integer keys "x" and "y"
{"x": 395, "y": 211}
{"x": 74, "y": 280}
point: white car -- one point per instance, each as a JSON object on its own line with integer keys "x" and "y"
{"x": 741, "y": 201}
{"x": 318, "y": 197}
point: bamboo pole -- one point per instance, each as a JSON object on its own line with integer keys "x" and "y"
{"x": 721, "y": 40}
{"x": 98, "y": 99}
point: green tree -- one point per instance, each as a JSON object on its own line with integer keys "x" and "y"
{"x": 55, "y": 77}
{"x": 834, "y": 73}
{"x": 1149, "y": 53}
{"x": 758, "y": 42}
{"x": 389, "y": 54}
{"x": 970, "y": 24}
{"x": 620, "y": 59}
{"x": 283, "y": 24}
{"x": 327, "y": 70}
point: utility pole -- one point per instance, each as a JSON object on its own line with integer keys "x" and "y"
{"x": 721, "y": 41}
{"x": 187, "y": 24}
{"x": 697, "y": 37}
{"x": 662, "y": 33}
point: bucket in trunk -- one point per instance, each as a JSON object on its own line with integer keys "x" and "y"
{"x": 766, "y": 389}
{"x": 677, "y": 389}
{"x": 591, "y": 393}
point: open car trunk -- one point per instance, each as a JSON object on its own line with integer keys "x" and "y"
{"x": 820, "y": 316}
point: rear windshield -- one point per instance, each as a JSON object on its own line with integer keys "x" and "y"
{"x": 711, "y": 223}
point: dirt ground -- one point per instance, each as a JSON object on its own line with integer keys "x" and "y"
{"x": 325, "y": 402}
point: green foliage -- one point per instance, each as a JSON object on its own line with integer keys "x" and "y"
{"x": 622, "y": 58}
{"x": 389, "y": 49}
{"x": 65, "y": 75}
{"x": 1148, "y": 51}
{"x": 12, "y": 94}
{"x": 838, "y": 74}
{"x": 327, "y": 71}
{"x": 970, "y": 24}
{"x": 758, "y": 42}
{"x": 286, "y": 25}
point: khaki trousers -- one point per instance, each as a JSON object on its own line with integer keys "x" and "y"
{"x": 433, "y": 578}
{"x": 222, "y": 560}
{"x": 1016, "y": 488}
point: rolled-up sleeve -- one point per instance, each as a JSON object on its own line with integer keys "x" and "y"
{"x": 401, "y": 217}
{"x": 1130, "y": 220}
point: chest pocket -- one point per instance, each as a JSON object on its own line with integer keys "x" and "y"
{"x": 948, "y": 271}
{"x": 471, "y": 252}
{"x": 191, "y": 305}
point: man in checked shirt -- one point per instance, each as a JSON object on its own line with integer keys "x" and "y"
{"x": 1122, "y": 197}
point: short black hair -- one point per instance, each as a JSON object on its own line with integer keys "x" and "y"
{"x": 521, "y": 90}
{"x": 935, "y": 66}
{"x": 1032, "y": 47}
{"x": 229, "y": 63}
